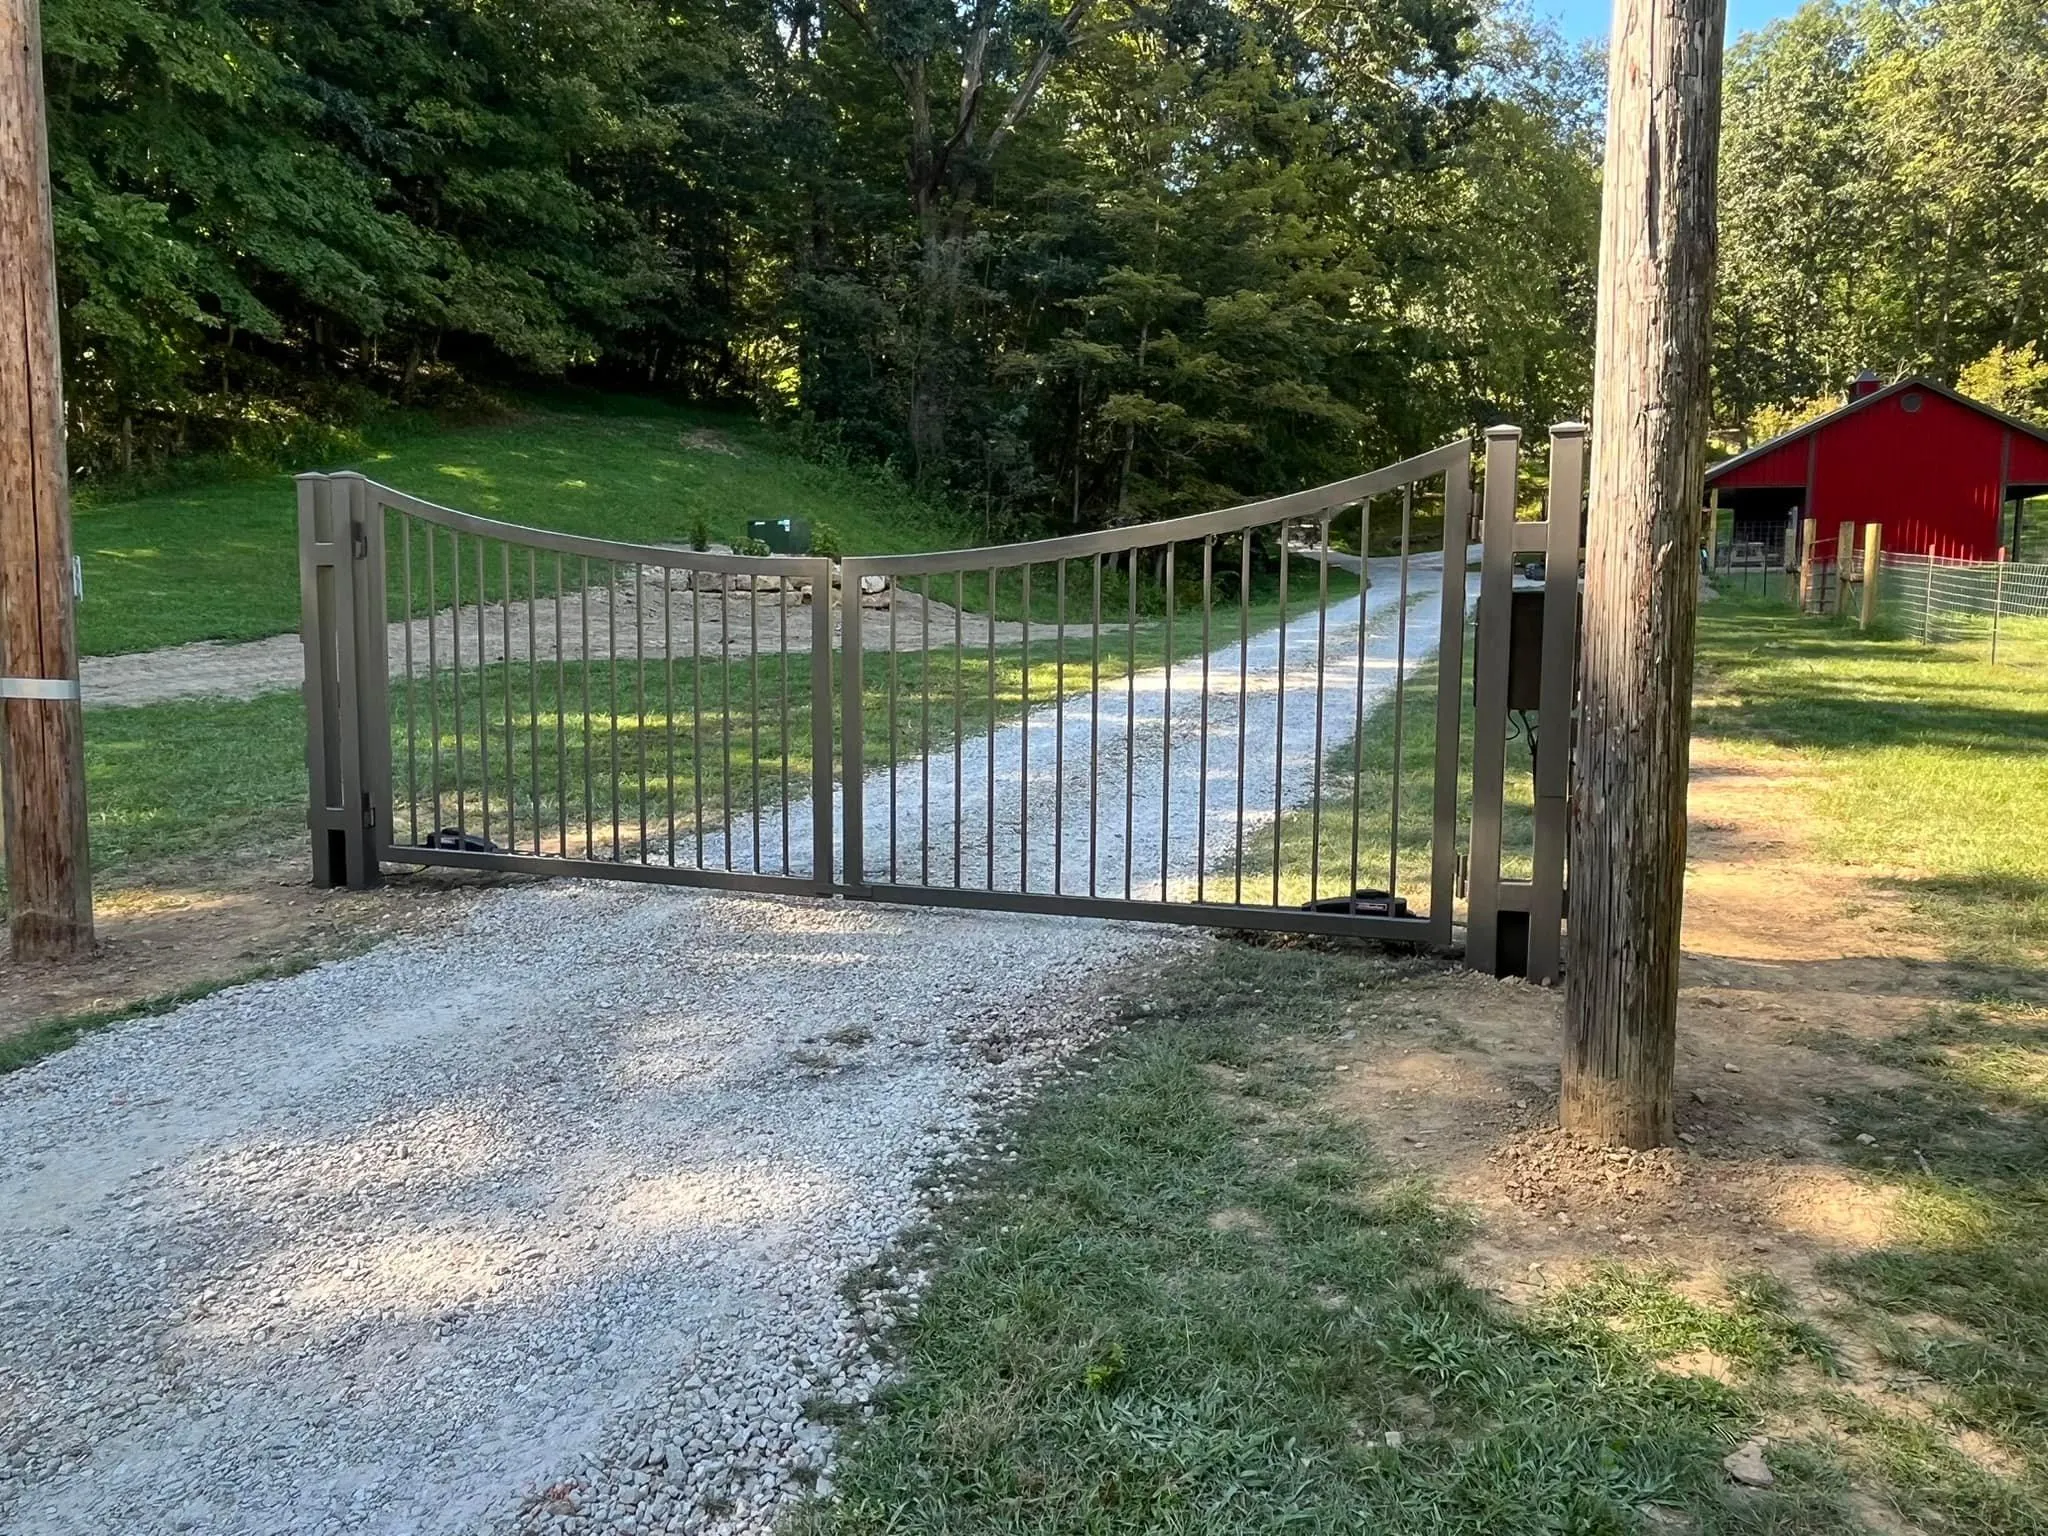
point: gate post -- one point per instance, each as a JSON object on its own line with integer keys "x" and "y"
{"x": 1490, "y": 697}
{"x": 1558, "y": 689}
{"x": 348, "y": 744}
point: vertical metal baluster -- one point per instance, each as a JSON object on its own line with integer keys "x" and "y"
{"x": 455, "y": 661}
{"x": 959, "y": 760}
{"x": 561, "y": 722}
{"x": 1130, "y": 715}
{"x": 533, "y": 690}
{"x": 1244, "y": 650}
{"x": 589, "y": 776}
{"x": 1315, "y": 802}
{"x": 433, "y": 682}
{"x": 988, "y": 809}
{"x": 1400, "y": 688}
{"x": 1094, "y": 722}
{"x": 895, "y": 587}
{"x": 412, "y": 793}
{"x": 1358, "y": 699}
{"x": 783, "y": 697}
{"x": 1059, "y": 726}
{"x": 754, "y": 712}
{"x": 668, "y": 695}
{"x": 640, "y": 692}
{"x": 725, "y": 712}
{"x": 611, "y": 667}
{"x": 483, "y": 694}
{"x": 697, "y": 707}
{"x": 1202, "y": 764}
{"x": 511, "y": 759}
{"x": 1024, "y": 749}
{"x": 1166, "y": 741}
{"x": 924, "y": 763}
{"x": 1280, "y": 715}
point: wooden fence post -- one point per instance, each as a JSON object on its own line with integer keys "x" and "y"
{"x": 1845, "y": 546}
{"x": 1872, "y": 537}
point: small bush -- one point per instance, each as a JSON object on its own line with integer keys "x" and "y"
{"x": 700, "y": 534}
{"x": 825, "y": 542}
{"x": 751, "y": 547}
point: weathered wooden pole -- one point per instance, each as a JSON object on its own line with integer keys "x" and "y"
{"x": 1873, "y": 538}
{"x": 1650, "y": 408}
{"x": 42, "y": 760}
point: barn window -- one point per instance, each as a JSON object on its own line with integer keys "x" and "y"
{"x": 1909, "y": 403}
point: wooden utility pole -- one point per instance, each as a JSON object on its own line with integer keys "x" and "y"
{"x": 42, "y": 757}
{"x": 1650, "y": 409}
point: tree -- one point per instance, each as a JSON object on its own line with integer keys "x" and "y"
{"x": 1650, "y": 397}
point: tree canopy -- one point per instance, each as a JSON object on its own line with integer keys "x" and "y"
{"x": 1884, "y": 185}
{"x": 1080, "y": 260}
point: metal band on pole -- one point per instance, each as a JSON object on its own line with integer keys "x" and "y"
{"x": 62, "y": 689}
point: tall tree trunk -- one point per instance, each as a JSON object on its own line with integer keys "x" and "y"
{"x": 1650, "y": 399}
{"x": 42, "y": 731}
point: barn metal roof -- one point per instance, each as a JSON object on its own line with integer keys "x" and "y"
{"x": 1911, "y": 381}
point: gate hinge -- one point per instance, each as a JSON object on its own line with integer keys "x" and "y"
{"x": 359, "y": 542}
{"x": 369, "y": 810}
{"x": 1464, "y": 873}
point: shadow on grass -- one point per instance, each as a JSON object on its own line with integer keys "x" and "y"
{"x": 1960, "y": 1299}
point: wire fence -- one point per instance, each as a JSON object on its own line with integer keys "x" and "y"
{"x": 1996, "y": 608}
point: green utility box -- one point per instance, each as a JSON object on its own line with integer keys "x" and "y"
{"x": 782, "y": 535}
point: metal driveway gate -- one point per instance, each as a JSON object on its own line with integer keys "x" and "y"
{"x": 488, "y": 696}
{"x": 1164, "y": 721}
{"x": 1244, "y": 718}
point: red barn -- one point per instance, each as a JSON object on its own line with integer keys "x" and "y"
{"x": 1930, "y": 466}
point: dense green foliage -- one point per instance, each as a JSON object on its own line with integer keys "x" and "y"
{"x": 1884, "y": 183}
{"x": 1073, "y": 262}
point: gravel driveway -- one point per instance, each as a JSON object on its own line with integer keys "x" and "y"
{"x": 560, "y": 1200}
{"x": 539, "y": 1224}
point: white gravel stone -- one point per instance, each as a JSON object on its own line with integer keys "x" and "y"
{"x": 534, "y": 1226}
{"x": 543, "y": 1224}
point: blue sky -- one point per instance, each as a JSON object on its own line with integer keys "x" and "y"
{"x": 1588, "y": 18}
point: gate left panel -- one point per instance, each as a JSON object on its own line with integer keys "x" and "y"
{"x": 554, "y": 704}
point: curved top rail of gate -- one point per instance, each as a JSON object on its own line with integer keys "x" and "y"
{"x": 1179, "y": 530}
{"x": 1205, "y": 719}
{"x": 677, "y": 556}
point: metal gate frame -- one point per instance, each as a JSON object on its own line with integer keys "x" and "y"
{"x": 1452, "y": 462}
{"x": 344, "y": 581}
{"x": 1557, "y": 537}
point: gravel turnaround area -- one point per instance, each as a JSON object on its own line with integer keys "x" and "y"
{"x": 538, "y": 1225}
{"x": 542, "y": 1224}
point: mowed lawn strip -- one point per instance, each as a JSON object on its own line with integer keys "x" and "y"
{"x": 219, "y": 560}
{"x": 1195, "y": 1302}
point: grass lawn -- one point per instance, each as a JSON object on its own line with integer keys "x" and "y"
{"x": 219, "y": 561}
{"x": 1194, "y": 1303}
{"x": 1192, "y": 1299}
{"x": 1934, "y": 762}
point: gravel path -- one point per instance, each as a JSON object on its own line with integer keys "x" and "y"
{"x": 1162, "y": 806}
{"x": 627, "y": 622}
{"x": 536, "y": 1226}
